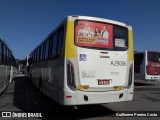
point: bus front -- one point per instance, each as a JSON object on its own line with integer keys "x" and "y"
{"x": 152, "y": 65}
{"x": 99, "y": 61}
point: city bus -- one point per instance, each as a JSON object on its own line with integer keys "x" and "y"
{"x": 85, "y": 60}
{"x": 7, "y": 65}
{"x": 147, "y": 65}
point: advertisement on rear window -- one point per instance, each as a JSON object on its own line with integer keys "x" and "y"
{"x": 94, "y": 34}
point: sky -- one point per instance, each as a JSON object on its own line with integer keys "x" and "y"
{"x": 25, "y": 23}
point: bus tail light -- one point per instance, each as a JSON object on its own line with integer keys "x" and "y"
{"x": 130, "y": 76}
{"x": 70, "y": 74}
{"x": 68, "y": 96}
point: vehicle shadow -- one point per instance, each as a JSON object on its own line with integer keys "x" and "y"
{"x": 27, "y": 99}
{"x": 142, "y": 84}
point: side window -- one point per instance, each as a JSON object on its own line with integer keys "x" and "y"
{"x": 0, "y": 52}
{"x": 41, "y": 55}
{"x": 8, "y": 56}
{"x": 4, "y": 54}
{"x": 141, "y": 58}
{"x": 50, "y": 48}
{"x": 54, "y": 45}
{"x": 32, "y": 57}
{"x": 138, "y": 59}
{"x": 34, "y": 54}
{"x": 32, "y": 60}
{"x": 60, "y": 40}
{"x": 0, "y": 47}
{"x": 37, "y": 55}
{"x": 46, "y": 51}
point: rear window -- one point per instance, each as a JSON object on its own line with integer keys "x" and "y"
{"x": 153, "y": 56}
{"x": 98, "y": 35}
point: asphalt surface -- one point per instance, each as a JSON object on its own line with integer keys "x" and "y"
{"x": 22, "y": 97}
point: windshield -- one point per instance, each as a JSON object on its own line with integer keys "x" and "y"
{"x": 98, "y": 35}
{"x": 153, "y": 56}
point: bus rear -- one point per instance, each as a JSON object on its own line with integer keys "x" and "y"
{"x": 152, "y": 65}
{"x": 99, "y": 61}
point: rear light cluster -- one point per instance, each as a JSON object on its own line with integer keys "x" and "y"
{"x": 130, "y": 76}
{"x": 70, "y": 74}
{"x": 68, "y": 96}
{"x": 150, "y": 70}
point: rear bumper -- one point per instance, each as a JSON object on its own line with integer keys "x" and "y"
{"x": 152, "y": 77}
{"x": 83, "y": 98}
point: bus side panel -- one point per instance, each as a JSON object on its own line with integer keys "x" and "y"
{"x": 51, "y": 76}
{"x": 34, "y": 75}
{"x": 7, "y": 77}
{"x": 48, "y": 75}
{"x": 4, "y": 77}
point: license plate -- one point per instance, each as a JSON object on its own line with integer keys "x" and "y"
{"x": 103, "y": 82}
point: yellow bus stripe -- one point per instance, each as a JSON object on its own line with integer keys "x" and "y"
{"x": 69, "y": 45}
{"x": 131, "y": 52}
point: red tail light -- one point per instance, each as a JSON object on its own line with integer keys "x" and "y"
{"x": 69, "y": 96}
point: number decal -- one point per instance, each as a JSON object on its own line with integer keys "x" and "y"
{"x": 118, "y": 63}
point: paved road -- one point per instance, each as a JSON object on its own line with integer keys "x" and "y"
{"x": 22, "y": 96}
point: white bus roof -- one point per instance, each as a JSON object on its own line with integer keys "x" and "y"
{"x": 97, "y": 19}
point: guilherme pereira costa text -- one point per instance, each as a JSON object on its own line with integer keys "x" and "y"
{"x": 137, "y": 114}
